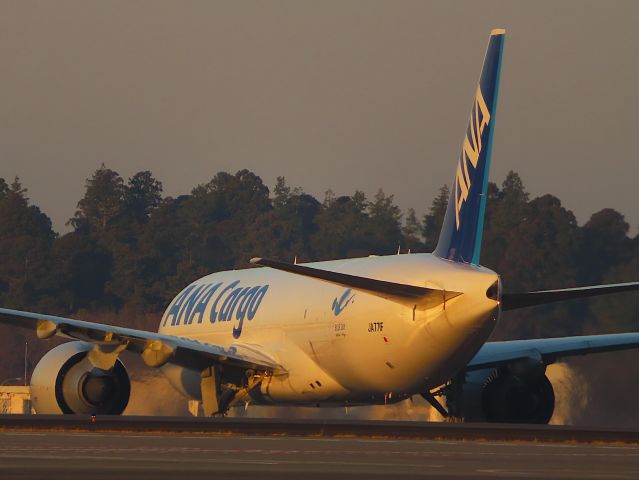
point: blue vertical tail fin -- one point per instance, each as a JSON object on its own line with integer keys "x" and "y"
{"x": 460, "y": 237}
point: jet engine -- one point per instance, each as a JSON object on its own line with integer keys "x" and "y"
{"x": 504, "y": 395}
{"x": 65, "y": 381}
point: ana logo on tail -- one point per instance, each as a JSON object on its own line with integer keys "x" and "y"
{"x": 479, "y": 120}
{"x": 462, "y": 229}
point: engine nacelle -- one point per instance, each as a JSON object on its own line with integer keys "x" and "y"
{"x": 65, "y": 381}
{"x": 184, "y": 380}
{"x": 503, "y": 396}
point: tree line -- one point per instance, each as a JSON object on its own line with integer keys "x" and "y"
{"x": 131, "y": 249}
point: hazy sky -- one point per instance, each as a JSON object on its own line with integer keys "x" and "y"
{"x": 343, "y": 95}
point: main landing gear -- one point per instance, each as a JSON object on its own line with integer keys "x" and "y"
{"x": 218, "y": 397}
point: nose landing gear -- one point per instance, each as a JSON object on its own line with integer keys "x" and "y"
{"x": 430, "y": 398}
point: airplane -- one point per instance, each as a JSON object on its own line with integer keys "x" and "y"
{"x": 363, "y": 331}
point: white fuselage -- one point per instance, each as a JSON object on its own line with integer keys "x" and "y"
{"x": 336, "y": 346}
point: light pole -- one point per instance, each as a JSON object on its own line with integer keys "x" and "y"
{"x": 25, "y": 363}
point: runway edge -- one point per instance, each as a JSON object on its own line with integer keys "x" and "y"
{"x": 319, "y": 428}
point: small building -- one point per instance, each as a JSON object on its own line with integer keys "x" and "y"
{"x": 15, "y": 399}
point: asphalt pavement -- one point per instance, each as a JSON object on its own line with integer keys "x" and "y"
{"x": 119, "y": 455}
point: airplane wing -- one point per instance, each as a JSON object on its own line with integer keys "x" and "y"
{"x": 156, "y": 349}
{"x": 549, "y": 350}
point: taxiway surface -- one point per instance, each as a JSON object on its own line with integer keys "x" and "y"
{"x": 31, "y": 455}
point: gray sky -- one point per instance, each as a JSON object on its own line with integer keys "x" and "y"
{"x": 334, "y": 94}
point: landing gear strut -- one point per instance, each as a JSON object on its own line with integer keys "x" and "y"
{"x": 217, "y": 398}
{"x": 210, "y": 392}
{"x": 430, "y": 398}
{"x": 453, "y": 391}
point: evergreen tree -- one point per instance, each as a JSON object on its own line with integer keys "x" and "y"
{"x": 142, "y": 195}
{"x": 232, "y": 197}
{"x": 604, "y": 243}
{"x": 4, "y": 189}
{"x": 532, "y": 246}
{"x": 329, "y": 198}
{"x": 102, "y": 202}
{"x": 281, "y": 193}
{"x": 618, "y": 313}
{"x": 283, "y": 232}
{"x": 342, "y": 229}
{"x": 385, "y": 224}
{"x": 26, "y": 237}
{"x": 434, "y": 219}
{"x": 507, "y": 212}
{"x": 412, "y": 231}
{"x": 83, "y": 268}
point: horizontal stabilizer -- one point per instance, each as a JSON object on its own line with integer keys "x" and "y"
{"x": 410, "y": 295}
{"x": 512, "y": 301}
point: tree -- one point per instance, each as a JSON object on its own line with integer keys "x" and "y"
{"x": 532, "y": 246}
{"x": 282, "y": 193}
{"x": 169, "y": 260}
{"x": 220, "y": 213}
{"x": 142, "y": 195}
{"x": 283, "y": 232}
{"x": 82, "y": 268}
{"x": 411, "y": 232}
{"x": 385, "y": 223}
{"x": 4, "y": 189}
{"x": 228, "y": 197}
{"x": 342, "y": 228}
{"x": 329, "y": 198}
{"x": 513, "y": 191}
{"x": 103, "y": 201}
{"x": 434, "y": 219}
{"x": 603, "y": 243}
{"x": 618, "y": 313}
{"x": 507, "y": 211}
{"x": 25, "y": 240}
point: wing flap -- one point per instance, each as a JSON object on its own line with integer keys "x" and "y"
{"x": 410, "y": 295}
